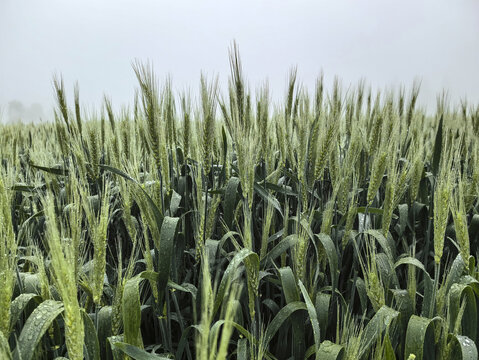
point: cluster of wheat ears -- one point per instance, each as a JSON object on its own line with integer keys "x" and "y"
{"x": 338, "y": 225}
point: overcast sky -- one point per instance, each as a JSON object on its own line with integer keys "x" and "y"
{"x": 388, "y": 43}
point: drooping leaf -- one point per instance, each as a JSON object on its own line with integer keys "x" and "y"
{"x": 35, "y": 327}
{"x": 291, "y": 294}
{"x": 231, "y": 194}
{"x": 92, "y": 346}
{"x": 229, "y": 272}
{"x": 332, "y": 255}
{"x": 462, "y": 347}
{"x": 137, "y": 353}
{"x": 313, "y": 316}
{"x": 280, "y": 318}
{"x": 380, "y": 321}
{"x": 420, "y": 339}
{"x": 19, "y": 304}
{"x": 165, "y": 252}
{"x": 131, "y": 311}
{"x": 330, "y": 351}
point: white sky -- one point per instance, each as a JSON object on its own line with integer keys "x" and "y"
{"x": 386, "y": 42}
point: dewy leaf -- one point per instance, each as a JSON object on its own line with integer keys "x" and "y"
{"x": 231, "y": 194}
{"x": 462, "y": 347}
{"x": 457, "y": 294}
{"x": 19, "y": 304}
{"x": 455, "y": 272}
{"x": 166, "y": 246}
{"x": 92, "y": 345}
{"x": 380, "y": 321}
{"x": 388, "y": 352}
{"x": 136, "y": 353}
{"x": 268, "y": 197}
{"x": 4, "y": 348}
{"x": 404, "y": 304}
{"x": 104, "y": 330}
{"x": 174, "y": 202}
{"x": 381, "y": 239}
{"x": 36, "y": 325}
{"x": 291, "y": 294}
{"x": 280, "y": 317}
{"x": 154, "y": 208}
{"x": 285, "y": 244}
{"x": 330, "y": 351}
{"x": 242, "y": 349}
{"x": 410, "y": 261}
{"x": 229, "y": 272}
{"x": 313, "y": 316}
{"x": 420, "y": 339}
{"x": 332, "y": 255}
{"x": 132, "y": 311}
{"x": 322, "y": 309}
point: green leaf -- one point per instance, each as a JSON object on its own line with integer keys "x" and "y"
{"x": 420, "y": 339}
{"x": 405, "y": 306}
{"x": 332, "y": 255}
{"x": 457, "y": 294}
{"x": 313, "y": 317}
{"x": 131, "y": 311}
{"x": 136, "y": 353}
{"x": 380, "y": 321}
{"x": 286, "y": 190}
{"x": 174, "y": 202}
{"x": 330, "y": 351}
{"x": 268, "y": 197}
{"x": 410, "y": 261}
{"x": 231, "y": 194}
{"x": 36, "y": 325}
{"x": 23, "y": 188}
{"x": 242, "y": 349}
{"x": 371, "y": 210}
{"x": 291, "y": 294}
{"x": 92, "y": 346}
{"x": 19, "y": 304}
{"x": 322, "y": 309}
{"x": 428, "y": 302}
{"x": 104, "y": 330}
{"x": 385, "y": 244}
{"x": 280, "y": 318}
{"x": 462, "y": 347}
{"x": 156, "y": 212}
{"x": 285, "y": 244}
{"x": 436, "y": 157}
{"x": 388, "y": 350}
{"x": 165, "y": 250}
{"x": 229, "y": 272}
{"x": 363, "y": 297}
{"x": 51, "y": 170}
{"x": 5, "y": 352}
{"x": 288, "y": 283}
{"x": 455, "y": 272}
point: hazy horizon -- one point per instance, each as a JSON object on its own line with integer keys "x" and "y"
{"x": 386, "y": 43}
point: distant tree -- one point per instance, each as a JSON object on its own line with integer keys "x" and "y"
{"x": 16, "y": 111}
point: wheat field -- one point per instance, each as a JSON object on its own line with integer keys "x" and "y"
{"x": 338, "y": 224}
